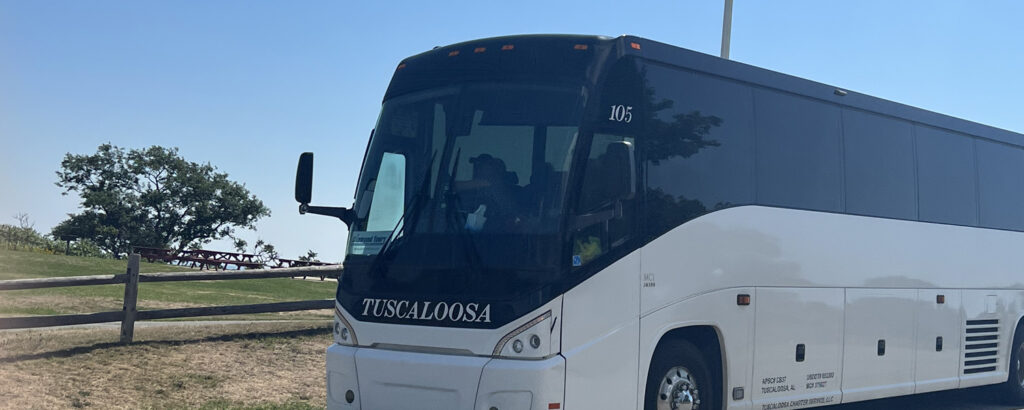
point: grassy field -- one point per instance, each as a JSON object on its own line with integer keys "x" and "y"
{"x": 88, "y": 299}
{"x": 262, "y": 365}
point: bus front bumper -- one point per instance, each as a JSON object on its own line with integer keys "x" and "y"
{"x": 366, "y": 378}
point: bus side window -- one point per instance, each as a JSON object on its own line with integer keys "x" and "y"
{"x": 604, "y": 222}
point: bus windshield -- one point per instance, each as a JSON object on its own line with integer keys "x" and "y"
{"x": 462, "y": 190}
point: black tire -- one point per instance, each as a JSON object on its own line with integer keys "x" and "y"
{"x": 680, "y": 353}
{"x": 1013, "y": 389}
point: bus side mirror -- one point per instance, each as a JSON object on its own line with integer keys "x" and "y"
{"x": 304, "y": 179}
{"x": 622, "y": 171}
{"x": 304, "y": 193}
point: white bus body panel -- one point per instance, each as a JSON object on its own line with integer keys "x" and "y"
{"x": 448, "y": 340}
{"x": 522, "y": 384}
{"x": 391, "y": 379}
{"x": 938, "y": 369}
{"x": 342, "y": 377}
{"x": 786, "y": 318}
{"x": 775, "y": 247}
{"x": 421, "y": 367}
{"x": 892, "y": 262}
{"x": 980, "y": 304}
{"x": 879, "y": 347}
{"x": 600, "y": 336}
{"x": 734, "y": 325}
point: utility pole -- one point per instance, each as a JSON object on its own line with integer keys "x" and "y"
{"x": 726, "y": 29}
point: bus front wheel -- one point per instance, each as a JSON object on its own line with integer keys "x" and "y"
{"x": 678, "y": 379}
{"x": 1014, "y": 386}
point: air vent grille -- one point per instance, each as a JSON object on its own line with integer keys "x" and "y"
{"x": 981, "y": 345}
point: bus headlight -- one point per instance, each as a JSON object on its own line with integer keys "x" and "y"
{"x": 343, "y": 333}
{"x": 532, "y": 340}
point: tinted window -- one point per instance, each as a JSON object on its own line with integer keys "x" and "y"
{"x": 946, "y": 177}
{"x": 601, "y": 193}
{"x": 879, "y": 161}
{"x": 1001, "y": 185}
{"x": 798, "y": 161}
{"x": 699, "y": 147}
{"x": 605, "y": 217}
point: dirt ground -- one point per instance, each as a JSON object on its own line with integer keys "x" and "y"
{"x": 255, "y": 365}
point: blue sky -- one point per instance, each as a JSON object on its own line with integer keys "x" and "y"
{"x": 248, "y": 85}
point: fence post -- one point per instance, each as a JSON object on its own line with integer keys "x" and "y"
{"x": 131, "y": 293}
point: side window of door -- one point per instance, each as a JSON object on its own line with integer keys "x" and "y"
{"x": 607, "y": 203}
{"x": 606, "y": 211}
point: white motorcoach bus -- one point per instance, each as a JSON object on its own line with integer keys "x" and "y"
{"x": 579, "y": 222}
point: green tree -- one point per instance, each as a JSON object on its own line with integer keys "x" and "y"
{"x": 310, "y": 256}
{"x": 264, "y": 251}
{"x": 152, "y": 197}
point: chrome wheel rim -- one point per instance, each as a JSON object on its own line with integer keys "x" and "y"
{"x": 678, "y": 390}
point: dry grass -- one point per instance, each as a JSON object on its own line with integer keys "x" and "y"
{"x": 78, "y": 304}
{"x": 259, "y": 365}
{"x": 22, "y": 305}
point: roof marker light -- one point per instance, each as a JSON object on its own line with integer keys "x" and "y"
{"x": 580, "y": 47}
{"x": 507, "y": 47}
{"x": 401, "y": 66}
{"x": 635, "y": 46}
{"x": 479, "y": 49}
{"x": 453, "y": 53}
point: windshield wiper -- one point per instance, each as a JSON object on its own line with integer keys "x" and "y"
{"x": 452, "y": 203}
{"x": 449, "y": 188}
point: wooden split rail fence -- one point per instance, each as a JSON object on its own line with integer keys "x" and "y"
{"x": 131, "y": 278}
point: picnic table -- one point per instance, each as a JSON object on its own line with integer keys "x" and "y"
{"x": 218, "y": 259}
{"x": 295, "y": 263}
{"x": 156, "y": 254}
{"x": 204, "y": 259}
{"x": 200, "y": 258}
